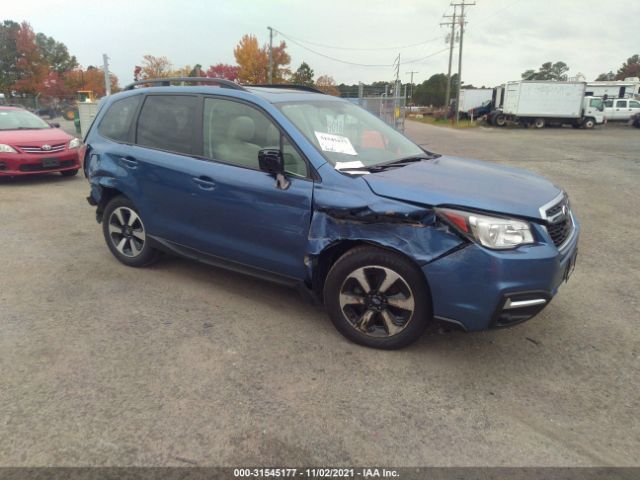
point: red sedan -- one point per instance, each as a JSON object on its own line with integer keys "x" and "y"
{"x": 29, "y": 145}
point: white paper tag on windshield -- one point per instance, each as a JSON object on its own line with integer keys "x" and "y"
{"x": 348, "y": 165}
{"x": 335, "y": 143}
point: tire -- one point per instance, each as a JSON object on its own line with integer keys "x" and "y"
{"x": 377, "y": 298}
{"x": 500, "y": 120}
{"x": 69, "y": 173}
{"x": 539, "y": 123}
{"x": 589, "y": 123}
{"x": 125, "y": 234}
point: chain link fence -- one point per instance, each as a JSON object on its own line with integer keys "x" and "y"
{"x": 389, "y": 107}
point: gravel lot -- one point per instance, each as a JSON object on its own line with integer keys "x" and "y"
{"x": 184, "y": 364}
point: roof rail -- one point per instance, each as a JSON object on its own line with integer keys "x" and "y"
{"x": 292, "y": 86}
{"x": 166, "y": 82}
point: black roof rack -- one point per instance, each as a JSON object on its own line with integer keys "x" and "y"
{"x": 166, "y": 82}
{"x": 292, "y": 86}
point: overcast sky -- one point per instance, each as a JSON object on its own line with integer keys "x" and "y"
{"x": 503, "y": 37}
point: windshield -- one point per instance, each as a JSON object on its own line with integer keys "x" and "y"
{"x": 347, "y": 134}
{"x": 21, "y": 120}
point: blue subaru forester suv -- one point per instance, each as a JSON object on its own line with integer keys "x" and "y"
{"x": 310, "y": 190}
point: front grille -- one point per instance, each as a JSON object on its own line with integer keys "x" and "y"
{"x": 38, "y": 167}
{"x": 559, "y": 222}
{"x": 561, "y": 230}
{"x": 52, "y": 149}
{"x": 556, "y": 209}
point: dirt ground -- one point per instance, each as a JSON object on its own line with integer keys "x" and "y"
{"x": 184, "y": 364}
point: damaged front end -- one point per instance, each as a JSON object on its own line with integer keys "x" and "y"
{"x": 341, "y": 221}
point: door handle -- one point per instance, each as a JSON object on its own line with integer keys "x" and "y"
{"x": 129, "y": 162}
{"x": 205, "y": 183}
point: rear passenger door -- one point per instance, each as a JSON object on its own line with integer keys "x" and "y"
{"x": 620, "y": 110}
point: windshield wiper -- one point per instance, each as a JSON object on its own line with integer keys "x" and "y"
{"x": 401, "y": 162}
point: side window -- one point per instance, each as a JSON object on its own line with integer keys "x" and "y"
{"x": 634, "y": 104}
{"x": 167, "y": 123}
{"x": 608, "y": 103}
{"x": 116, "y": 123}
{"x": 234, "y": 133}
{"x": 621, "y": 104}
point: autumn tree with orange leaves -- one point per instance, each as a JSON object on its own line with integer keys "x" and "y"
{"x": 327, "y": 84}
{"x": 253, "y": 61}
{"x": 31, "y": 66}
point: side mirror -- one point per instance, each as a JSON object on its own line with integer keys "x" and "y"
{"x": 271, "y": 161}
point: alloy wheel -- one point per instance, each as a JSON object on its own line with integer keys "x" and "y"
{"x": 377, "y": 301}
{"x": 126, "y": 231}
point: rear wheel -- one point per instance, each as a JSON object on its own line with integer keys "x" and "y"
{"x": 377, "y": 298}
{"x": 539, "y": 123}
{"x": 125, "y": 234}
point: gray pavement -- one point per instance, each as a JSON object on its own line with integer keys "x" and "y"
{"x": 183, "y": 364}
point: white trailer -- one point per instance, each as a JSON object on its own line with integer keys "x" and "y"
{"x": 627, "y": 88}
{"x": 473, "y": 98}
{"x": 548, "y": 102}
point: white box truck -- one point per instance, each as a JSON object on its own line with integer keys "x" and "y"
{"x": 471, "y": 98}
{"x": 538, "y": 103}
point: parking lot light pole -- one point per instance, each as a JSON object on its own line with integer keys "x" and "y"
{"x": 107, "y": 80}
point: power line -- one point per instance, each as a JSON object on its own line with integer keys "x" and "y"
{"x": 336, "y": 47}
{"x": 416, "y": 60}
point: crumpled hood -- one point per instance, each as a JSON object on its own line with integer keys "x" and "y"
{"x": 466, "y": 183}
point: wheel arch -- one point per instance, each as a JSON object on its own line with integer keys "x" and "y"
{"x": 323, "y": 262}
{"x": 107, "y": 193}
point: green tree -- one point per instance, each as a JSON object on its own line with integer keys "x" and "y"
{"x": 548, "y": 71}
{"x": 433, "y": 91}
{"x": 55, "y": 54}
{"x": 604, "y": 77}
{"x": 630, "y": 68}
{"x": 303, "y": 75}
{"x": 8, "y": 55}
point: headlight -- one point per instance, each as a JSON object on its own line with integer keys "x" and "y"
{"x": 6, "y": 148}
{"x": 75, "y": 143}
{"x": 491, "y": 232}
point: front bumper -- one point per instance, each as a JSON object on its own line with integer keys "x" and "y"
{"x": 477, "y": 288}
{"x": 15, "y": 164}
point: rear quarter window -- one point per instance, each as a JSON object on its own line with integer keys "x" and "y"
{"x": 117, "y": 122}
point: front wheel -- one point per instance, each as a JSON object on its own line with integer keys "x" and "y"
{"x": 377, "y": 298}
{"x": 125, "y": 234}
{"x": 539, "y": 123}
{"x": 589, "y": 123}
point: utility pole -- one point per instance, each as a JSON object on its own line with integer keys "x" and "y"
{"x": 462, "y": 22}
{"x": 396, "y": 94}
{"x": 411, "y": 84}
{"x": 107, "y": 79}
{"x": 270, "y": 81}
{"x": 451, "y": 40}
